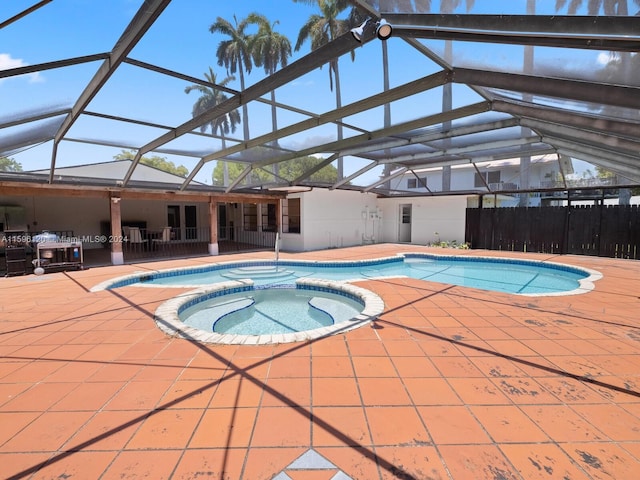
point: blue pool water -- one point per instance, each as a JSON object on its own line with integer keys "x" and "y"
{"x": 502, "y": 275}
{"x": 270, "y": 311}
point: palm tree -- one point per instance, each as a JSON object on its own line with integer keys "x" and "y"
{"x": 424, "y": 6}
{"x": 209, "y": 98}
{"x": 421, "y": 6}
{"x": 621, "y": 64}
{"x": 609, "y": 7}
{"x": 448, "y": 7}
{"x": 270, "y": 50}
{"x": 528, "y": 69}
{"x": 235, "y": 55}
{"x": 321, "y": 29}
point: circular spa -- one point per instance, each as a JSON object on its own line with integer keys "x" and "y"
{"x": 241, "y": 313}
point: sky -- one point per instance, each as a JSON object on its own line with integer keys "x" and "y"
{"x": 180, "y": 40}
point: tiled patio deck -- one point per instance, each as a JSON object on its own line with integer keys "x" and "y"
{"x": 449, "y": 383}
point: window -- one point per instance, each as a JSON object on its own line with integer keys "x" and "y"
{"x": 489, "y": 177}
{"x": 250, "y": 217}
{"x": 406, "y": 213}
{"x": 291, "y": 215}
{"x": 493, "y": 177}
{"x": 173, "y": 220}
{"x": 269, "y": 218}
{"x": 191, "y": 222}
{"x": 417, "y": 182}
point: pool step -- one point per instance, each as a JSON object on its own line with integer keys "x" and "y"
{"x": 331, "y": 307}
{"x": 210, "y": 315}
{"x": 266, "y": 271}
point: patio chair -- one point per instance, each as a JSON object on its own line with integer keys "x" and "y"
{"x": 165, "y": 238}
{"x": 135, "y": 238}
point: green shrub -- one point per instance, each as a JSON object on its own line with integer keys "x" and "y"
{"x": 451, "y": 244}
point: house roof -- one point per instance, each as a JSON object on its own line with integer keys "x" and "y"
{"x": 470, "y": 88}
{"x": 497, "y": 163}
{"x": 115, "y": 170}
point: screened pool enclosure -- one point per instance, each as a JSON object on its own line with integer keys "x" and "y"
{"x": 451, "y": 83}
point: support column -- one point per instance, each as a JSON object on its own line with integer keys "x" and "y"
{"x": 117, "y": 256}
{"x": 279, "y": 216}
{"x": 213, "y": 227}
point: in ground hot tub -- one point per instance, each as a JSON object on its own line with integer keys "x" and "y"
{"x": 239, "y": 313}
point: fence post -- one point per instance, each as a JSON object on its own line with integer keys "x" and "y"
{"x": 600, "y": 223}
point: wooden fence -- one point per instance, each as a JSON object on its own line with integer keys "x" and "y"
{"x": 605, "y": 231}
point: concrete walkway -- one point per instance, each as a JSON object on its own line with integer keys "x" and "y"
{"x": 450, "y": 382}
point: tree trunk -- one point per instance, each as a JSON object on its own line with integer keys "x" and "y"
{"x": 387, "y": 106}
{"x": 245, "y": 112}
{"x": 274, "y": 126}
{"x": 274, "y": 115}
{"x": 525, "y": 161}
{"x": 225, "y": 165}
{"x": 447, "y": 105}
{"x": 336, "y": 74}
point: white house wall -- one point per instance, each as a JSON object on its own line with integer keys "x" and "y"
{"x": 329, "y": 219}
{"x": 463, "y": 177}
{"x": 333, "y": 219}
{"x": 83, "y": 216}
{"x": 444, "y": 215}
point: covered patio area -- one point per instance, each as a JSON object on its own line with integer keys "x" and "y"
{"x": 449, "y": 382}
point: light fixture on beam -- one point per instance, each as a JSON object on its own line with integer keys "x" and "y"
{"x": 357, "y": 32}
{"x": 383, "y": 29}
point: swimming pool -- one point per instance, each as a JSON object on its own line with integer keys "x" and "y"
{"x": 520, "y": 277}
